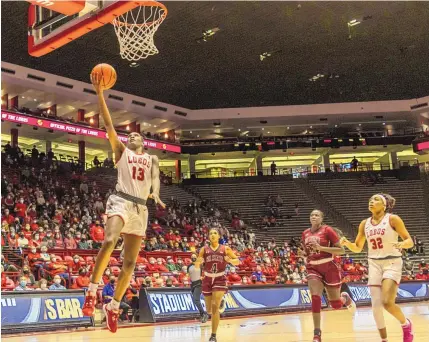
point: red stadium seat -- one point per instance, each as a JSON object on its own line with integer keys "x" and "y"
{"x": 68, "y": 258}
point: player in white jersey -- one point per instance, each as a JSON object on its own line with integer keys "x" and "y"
{"x": 126, "y": 211}
{"x": 381, "y": 231}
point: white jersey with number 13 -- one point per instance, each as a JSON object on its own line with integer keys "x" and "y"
{"x": 134, "y": 174}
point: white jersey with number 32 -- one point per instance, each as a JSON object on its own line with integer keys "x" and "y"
{"x": 134, "y": 174}
{"x": 381, "y": 239}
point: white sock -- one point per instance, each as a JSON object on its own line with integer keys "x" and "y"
{"x": 405, "y": 324}
{"x": 384, "y": 340}
{"x": 93, "y": 289}
{"x": 114, "y": 305}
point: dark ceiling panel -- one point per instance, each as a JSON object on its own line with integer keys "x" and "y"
{"x": 387, "y": 57}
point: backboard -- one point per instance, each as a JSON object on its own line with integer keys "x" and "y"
{"x": 53, "y": 24}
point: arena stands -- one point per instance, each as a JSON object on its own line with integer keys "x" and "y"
{"x": 59, "y": 226}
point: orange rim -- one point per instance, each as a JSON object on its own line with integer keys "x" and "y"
{"x": 117, "y": 22}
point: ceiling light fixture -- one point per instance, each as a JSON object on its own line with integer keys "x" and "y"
{"x": 190, "y": 132}
{"x": 353, "y": 22}
{"x": 134, "y": 65}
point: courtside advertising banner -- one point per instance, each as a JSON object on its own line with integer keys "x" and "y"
{"x": 79, "y": 130}
{"x": 42, "y": 310}
{"x": 176, "y": 303}
{"x": 407, "y": 292}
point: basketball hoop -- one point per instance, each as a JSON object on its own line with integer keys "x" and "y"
{"x": 135, "y": 30}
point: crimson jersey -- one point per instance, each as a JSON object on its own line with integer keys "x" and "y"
{"x": 214, "y": 261}
{"x": 325, "y": 236}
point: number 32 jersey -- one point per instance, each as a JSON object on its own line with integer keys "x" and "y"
{"x": 381, "y": 238}
{"x": 134, "y": 174}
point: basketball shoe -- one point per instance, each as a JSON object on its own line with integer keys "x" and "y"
{"x": 89, "y": 305}
{"x": 204, "y": 317}
{"x": 317, "y": 336}
{"x": 213, "y": 338}
{"x": 408, "y": 332}
{"x": 111, "y": 318}
{"x": 349, "y": 302}
{"x": 222, "y": 306}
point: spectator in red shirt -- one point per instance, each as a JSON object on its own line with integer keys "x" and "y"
{"x": 69, "y": 242}
{"x": 156, "y": 227}
{"x": 21, "y": 209}
{"x": 82, "y": 281}
{"x": 233, "y": 277}
{"x": 27, "y": 232}
{"x": 9, "y": 202}
{"x": 36, "y": 241}
{"x": 13, "y": 240}
{"x": 97, "y": 234}
{"x": 421, "y": 276}
{"x": 8, "y": 217}
{"x": 168, "y": 237}
{"x": 152, "y": 266}
{"x": 76, "y": 264}
{"x": 58, "y": 241}
{"x": 161, "y": 267}
{"x": 36, "y": 262}
{"x": 31, "y": 212}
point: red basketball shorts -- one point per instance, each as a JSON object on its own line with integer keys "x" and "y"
{"x": 214, "y": 284}
{"x": 329, "y": 273}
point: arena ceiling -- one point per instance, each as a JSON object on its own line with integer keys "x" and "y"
{"x": 386, "y": 57}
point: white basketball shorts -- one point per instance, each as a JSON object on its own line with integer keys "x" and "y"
{"x": 135, "y": 221}
{"x": 384, "y": 269}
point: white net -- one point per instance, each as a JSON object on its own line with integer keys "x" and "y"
{"x": 135, "y": 30}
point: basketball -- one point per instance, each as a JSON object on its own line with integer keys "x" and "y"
{"x": 108, "y": 75}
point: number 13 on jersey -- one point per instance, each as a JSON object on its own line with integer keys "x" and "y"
{"x": 138, "y": 173}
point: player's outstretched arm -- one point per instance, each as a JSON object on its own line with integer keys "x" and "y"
{"x": 156, "y": 182}
{"x": 117, "y": 146}
{"x": 356, "y": 246}
{"x": 399, "y": 225}
{"x": 200, "y": 258}
{"x": 231, "y": 257}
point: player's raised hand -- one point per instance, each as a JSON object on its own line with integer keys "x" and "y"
{"x": 157, "y": 200}
{"x": 96, "y": 82}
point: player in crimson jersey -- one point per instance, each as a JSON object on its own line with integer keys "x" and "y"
{"x": 215, "y": 258}
{"x": 320, "y": 244}
{"x": 126, "y": 211}
{"x": 382, "y": 230}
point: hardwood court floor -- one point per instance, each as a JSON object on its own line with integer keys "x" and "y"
{"x": 336, "y": 326}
